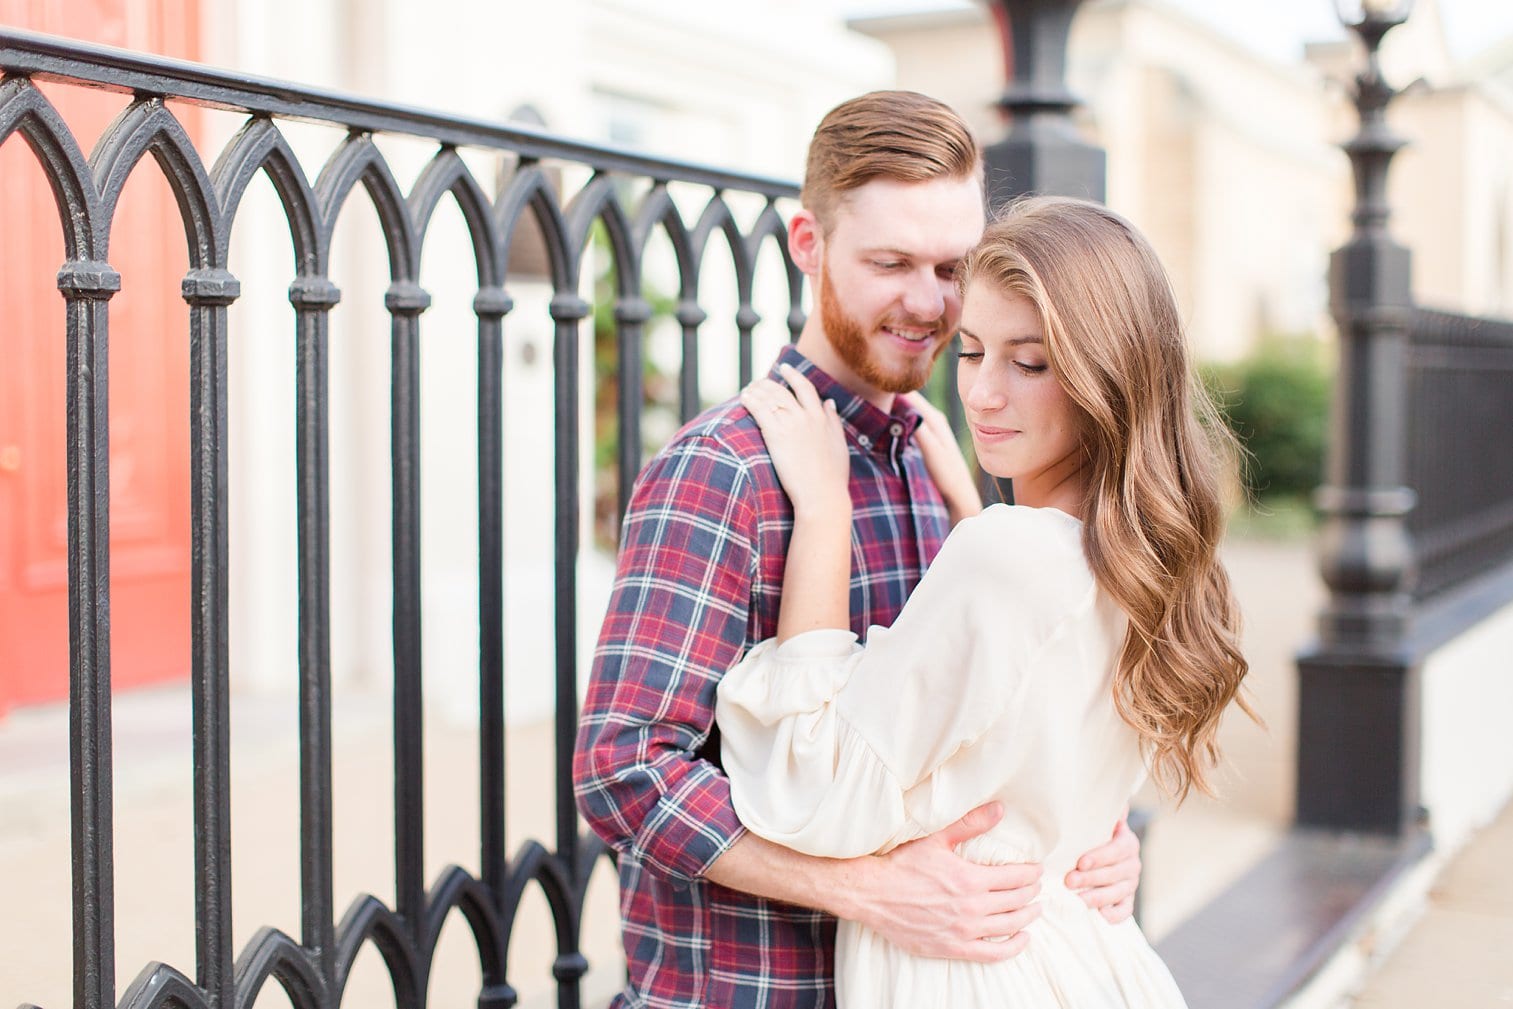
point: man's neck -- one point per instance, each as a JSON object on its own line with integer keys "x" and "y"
{"x": 815, "y": 344}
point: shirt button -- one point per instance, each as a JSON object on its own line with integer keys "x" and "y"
{"x": 895, "y": 429}
{"x": 864, "y": 441}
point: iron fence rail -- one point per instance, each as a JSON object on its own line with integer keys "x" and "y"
{"x": 1459, "y": 419}
{"x": 313, "y": 969}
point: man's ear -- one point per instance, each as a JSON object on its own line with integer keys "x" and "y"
{"x": 806, "y": 242}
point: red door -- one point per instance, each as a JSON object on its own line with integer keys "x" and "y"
{"x": 149, "y": 400}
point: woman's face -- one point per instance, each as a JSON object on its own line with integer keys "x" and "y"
{"x": 1024, "y": 425}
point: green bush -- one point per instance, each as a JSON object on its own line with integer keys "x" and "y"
{"x": 1277, "y": 403}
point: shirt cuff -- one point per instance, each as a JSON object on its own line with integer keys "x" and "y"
{"x": 690, "y": 828}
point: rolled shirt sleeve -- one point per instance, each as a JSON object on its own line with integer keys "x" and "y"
{"x": 678, "y": 619}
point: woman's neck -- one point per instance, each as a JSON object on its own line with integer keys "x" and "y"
{"x": 1065, "y": 490}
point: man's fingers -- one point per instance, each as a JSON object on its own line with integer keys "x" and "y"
{"x": 979, "y": 821}
{"x": 992, "y": 950}
{"x": 1004, "y": 882}
{"x": 1011, "y": 922}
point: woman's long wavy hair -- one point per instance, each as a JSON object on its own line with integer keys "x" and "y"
{"x": 1158, "y": 459}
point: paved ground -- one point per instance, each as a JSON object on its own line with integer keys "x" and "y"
{"x": 1461, "y": 942}
{"x": 1460, "y": 953}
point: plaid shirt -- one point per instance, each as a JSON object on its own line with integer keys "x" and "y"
{"x": 698, "y": 581}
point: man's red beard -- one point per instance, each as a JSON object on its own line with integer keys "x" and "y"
{"x": 852, "y": 344}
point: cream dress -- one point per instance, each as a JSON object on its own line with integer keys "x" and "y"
{"x": 994, "y": 683}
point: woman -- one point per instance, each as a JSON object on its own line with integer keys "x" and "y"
{"x": 1054, "y": 652}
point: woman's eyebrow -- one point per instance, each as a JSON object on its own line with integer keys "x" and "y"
{"x": 1015, "y": 342}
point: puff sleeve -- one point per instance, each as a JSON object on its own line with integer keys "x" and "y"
{"x": 830, "y": 745}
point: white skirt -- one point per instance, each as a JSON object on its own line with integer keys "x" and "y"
{"x": 1075, "y": 960}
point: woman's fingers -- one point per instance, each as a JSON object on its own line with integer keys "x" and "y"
{"x": 803, "y": 389}
{"x": 932, "y": 416}
{"x": 768, "y": 402}
{"x": 774, "y": 405}
{"x": 928, "y": 441}
{"x": 833, "y": 419}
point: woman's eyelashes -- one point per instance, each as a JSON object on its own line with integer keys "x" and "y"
{"x": 1028, "y": 367}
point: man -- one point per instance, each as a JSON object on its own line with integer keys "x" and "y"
{"x": 713, "y": 915}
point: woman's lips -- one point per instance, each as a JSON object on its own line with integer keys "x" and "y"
{"x": 986, "y": 433}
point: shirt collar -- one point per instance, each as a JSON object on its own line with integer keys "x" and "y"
{"x": 874, "y": 428}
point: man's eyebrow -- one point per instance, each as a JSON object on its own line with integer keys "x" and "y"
{"x": 905, "y": 254}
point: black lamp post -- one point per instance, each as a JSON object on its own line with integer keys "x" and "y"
{"x": 1358, "y": 717}
{"x": 1043, "y": 152}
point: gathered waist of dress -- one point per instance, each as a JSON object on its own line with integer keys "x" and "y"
{"x": 988, "y": 849}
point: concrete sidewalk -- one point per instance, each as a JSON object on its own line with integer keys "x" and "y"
{"x": 1459, "y": 952}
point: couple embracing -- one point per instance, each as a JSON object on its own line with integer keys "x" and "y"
{"x": 857, "y": 740}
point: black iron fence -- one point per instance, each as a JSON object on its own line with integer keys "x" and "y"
{"x": 313, "y": 969}
{"x": 1459, "y": 418}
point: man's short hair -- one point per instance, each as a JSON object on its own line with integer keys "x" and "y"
{"x": 900, "y": 135}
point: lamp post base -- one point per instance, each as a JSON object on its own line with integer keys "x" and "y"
{"x": 1358, "y": 743}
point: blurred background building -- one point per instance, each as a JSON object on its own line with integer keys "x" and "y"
{"x": 1227, "y": 157}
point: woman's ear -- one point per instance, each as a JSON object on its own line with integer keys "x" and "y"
{"x": 806, "y": 242}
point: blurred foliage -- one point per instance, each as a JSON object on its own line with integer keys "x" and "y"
{"x": 1276, "y": 401}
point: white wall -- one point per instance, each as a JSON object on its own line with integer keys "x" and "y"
{"x": 1467, "y": 755}
{"x": 1457, "y": 213}
{"x": 716, "y": 83}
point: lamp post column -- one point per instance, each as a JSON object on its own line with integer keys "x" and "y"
{"x": 1043, "y": 152}
{"x": 1358, "y": 711}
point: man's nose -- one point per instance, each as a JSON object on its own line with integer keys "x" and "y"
{"x": 925, "y": 298}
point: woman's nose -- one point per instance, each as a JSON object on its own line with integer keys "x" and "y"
{"x": 983, "y": 393}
